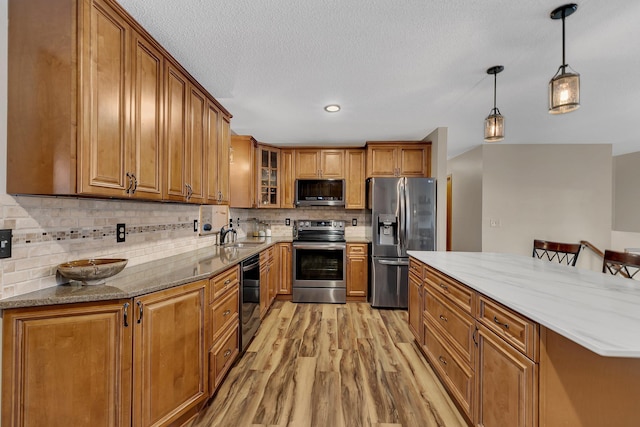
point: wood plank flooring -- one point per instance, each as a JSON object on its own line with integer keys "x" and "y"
{"x": 331, "y": 365}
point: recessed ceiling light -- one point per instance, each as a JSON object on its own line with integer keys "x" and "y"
{"x": 332, "y": 108}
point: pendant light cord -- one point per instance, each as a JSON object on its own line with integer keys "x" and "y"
{"x": 495, "y": 82}
{"x": 564, "y": 63}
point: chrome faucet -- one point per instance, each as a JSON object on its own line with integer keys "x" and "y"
{"x": 223, "y": 233}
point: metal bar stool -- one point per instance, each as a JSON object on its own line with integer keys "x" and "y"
{"x": 563, "y": 253}
{"x": 624, "y": 263}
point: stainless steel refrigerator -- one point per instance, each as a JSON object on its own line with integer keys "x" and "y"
{"x": 401, "y": 216}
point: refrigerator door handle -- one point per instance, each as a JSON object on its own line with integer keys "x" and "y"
{"x": 406, "y": 215}
{"x": 389, "y": 262}
{"x": 402, "y": 219}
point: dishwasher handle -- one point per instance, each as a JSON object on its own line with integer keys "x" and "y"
{"x": 250, "y": 266}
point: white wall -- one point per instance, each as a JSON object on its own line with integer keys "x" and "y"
{"x": 626, "y": 192}
{"x": 466, "y": 182}
{"x": 438, "y": 140}
{"x": 551, "y": 192}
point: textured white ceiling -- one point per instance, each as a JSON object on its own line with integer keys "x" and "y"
{"x": 402, "y": 68}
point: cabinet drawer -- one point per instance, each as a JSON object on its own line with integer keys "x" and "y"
{"x": 222, "y": 356}
{"x": 453, "y": 290}
{"x": 224, "y": 312}
{"x": 456, "y": 325}
{"x": 456, "y": 375}
{"x": 222, "y": 282}
{"x": 356, "y": 249}
{"x": 517, "y": 330}
{"x": 416, "y": 267}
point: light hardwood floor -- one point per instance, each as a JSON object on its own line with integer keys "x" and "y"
{"x": 327, "y": 365}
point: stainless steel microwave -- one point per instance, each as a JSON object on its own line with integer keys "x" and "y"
{"x": 320, "y": 192}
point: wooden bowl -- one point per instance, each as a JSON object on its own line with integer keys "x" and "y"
{"x": 92, "y": 271}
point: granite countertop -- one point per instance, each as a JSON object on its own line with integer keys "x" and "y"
{"x": 147, "y": 277}
{"x": 596, "y": 310}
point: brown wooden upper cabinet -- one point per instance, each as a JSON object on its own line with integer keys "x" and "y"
{"x": 355, "y": 179}
{"x": 94, "y": 104}
{"x": 398, "y": 158}
{"x": 255, "y": 176}
{"x": 287, "y": 178}
{"x": 319, "y": 163}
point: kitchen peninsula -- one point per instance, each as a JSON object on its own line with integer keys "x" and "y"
{"x": 524, "y": 342}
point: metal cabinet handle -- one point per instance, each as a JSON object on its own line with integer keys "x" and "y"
{"x": 139, "y": 303}
{"x": 126, "y": 314}
{"x": 135, "y": 183}
{"x": 443, "y": 318}
{"x": 504, "y": 325}
{"x": 226, "y": 282}
{"x": 130, "y": 177}
{"x": 227, "y": 353}
{"x": 442, "y": 360}
{"x": 226, "y": 313}
{"x": 473, "y": 336}
{"x": 444, "y": 286}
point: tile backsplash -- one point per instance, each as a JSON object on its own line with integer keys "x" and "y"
{"x": 48, "y": 231}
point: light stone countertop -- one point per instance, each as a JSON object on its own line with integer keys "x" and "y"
{"x": 596, "y": 310}
{"x": 151, "y": 276}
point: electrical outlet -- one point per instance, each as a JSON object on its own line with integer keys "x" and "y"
{"x": 287, "y": 221}
{"x": 5, "y": 243}
{"x": 494, "y": 222}
{"x": 195, "y": 225}
{"x": 121, "y": 232}
{"x": 354, "y": 221}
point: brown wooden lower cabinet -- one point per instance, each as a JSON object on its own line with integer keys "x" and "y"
{"x": 129, "y": 362}
{"x": 357, "y": 271}
{"x": 506, "y": 384}
{"x": 169, "y": 346}
{"x": 491, "y": 372}
{"x": 285, "y": 257}
{"x": 67, "y": 365}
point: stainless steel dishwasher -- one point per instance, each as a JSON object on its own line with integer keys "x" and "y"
{"x": 249, "y": 300}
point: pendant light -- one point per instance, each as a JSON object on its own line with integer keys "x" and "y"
{"x": 494, "y": 123}
{"x": 564, "y": 87}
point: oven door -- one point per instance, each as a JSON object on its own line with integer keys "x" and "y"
{"x": 319, "y": 265}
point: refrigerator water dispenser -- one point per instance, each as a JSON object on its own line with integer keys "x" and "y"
{"x": 387, "y": 229}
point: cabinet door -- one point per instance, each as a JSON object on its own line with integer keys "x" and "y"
{"x": 146, "y": 156}
{"x": 223, "y": 159}
{"x": 169, "y": 354}
{"x": 103, "y": 147}
{"x": 414, "y": 161}
{"x": 355, "y": 179}
{"x": 287, "y": 179}
{"x": 284, "y": 284}
{"x": 212, "y": 143}
{"x": 357, "y": 270}
{"x": 176, "y": 133}
{"x": 196, "y": 148}
{"x": 67, "y": 365}
{"x": 274, "y": 273}
{"x": 307, "y": 164}
{"x": 268, "y": 177}
{"x": 381, "y": 161}
{"x": 264, "y": 287}
{"x": 332, "y": 164}
{"x": 506, "y": 384}
{"x": 415, "y": 307}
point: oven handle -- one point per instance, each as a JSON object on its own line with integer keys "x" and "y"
{"x": 323, "y": 246}
{"x": 388, "y": 262}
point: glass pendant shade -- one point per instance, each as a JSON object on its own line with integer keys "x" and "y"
{"x": 564, "y": 92}
{"x": 494, "y": 126}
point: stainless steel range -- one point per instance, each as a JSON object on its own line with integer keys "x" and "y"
{"x": 319, "y": 261}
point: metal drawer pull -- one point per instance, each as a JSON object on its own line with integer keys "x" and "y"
{"x": 443, "y": 286}
{"x": 504, "y": 325}
{"x": 226, "y": 282}
{"x": 227, "y": 353}
{"x": 443, "y": 318}
{"x": 139, "y": 311}
{"x": 442, "y": 360}
{"x": 226, "y": 313}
